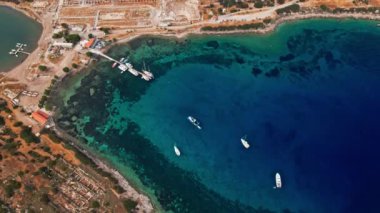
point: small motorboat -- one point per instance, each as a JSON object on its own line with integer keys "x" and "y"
{"x": 194, "y": 122}
{"x": 176, "y": 151}
{"x": 245, "y": 142}
{"x": 278, "y": 181}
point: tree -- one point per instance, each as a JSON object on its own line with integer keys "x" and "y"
{"x": 324, "y": 7}
{"x": 72, "y": 38}
{"x": 106, "y": 30}
{"x": 129, "y": 205}
{"x": 45, "y": 198}
{"x": 90, "y": 35}
{"x": 280, "y": 1}
{"x": 74, "y": 65}
{"x": 64, "y": 25}
{"x": 42, "y": 68}
{"x": 89, "y": 54}
{"x": 267, "y": 20}
{"x": 95, "y": 204}
{"x": 28, "y": 136}
{"x": 259, "y": 4}
{"x": 66, "y": 69}
{"x": 18, "y": 124}
{"x": 58, "y": 35}
{"x": 2, "y": 121}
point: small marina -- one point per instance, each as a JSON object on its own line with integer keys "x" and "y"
{"x": 19, "y": 49}
{"x": 124, "y": 66}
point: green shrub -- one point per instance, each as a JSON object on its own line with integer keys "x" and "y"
{"x": 2, "y": 121}
{"x": 64, "y": 25}
{"x": 28, "y": 136}
{"x": 234, "y": 27}
{"x": 42, "y": 68}
{"x": 106, "y": 30}
{"x": 129, "y": 205}
{"x": 45, "y": 198}
{"x": 72, "y": 38}
{"x": 10, "y": 187}
{"x": 289, "y": 9}
{"x": 259, "y": 4}
{"x": 66, "y": 69}
{"x": 95, "y": 204}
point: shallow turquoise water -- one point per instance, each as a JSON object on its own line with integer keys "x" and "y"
{"x": 16, "y": 28}
{"x": 306, "y": 96}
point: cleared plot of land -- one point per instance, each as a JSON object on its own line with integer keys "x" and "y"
{"x": 108, "y": 2}
{"x": 107, "y": 16}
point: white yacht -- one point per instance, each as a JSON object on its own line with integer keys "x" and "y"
{"x": 245, "y": 142}
{"x": 278, "y": 181}
{"x": 123, "y": 68}
{"x": 176, "y": 150}
{"x": 194, "y": 122}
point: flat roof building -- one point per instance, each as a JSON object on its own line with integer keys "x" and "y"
{"x": 40, "y": 117}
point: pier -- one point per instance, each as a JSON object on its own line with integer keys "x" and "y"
{"x": 19, "y": 49}
{"x": 125, "y": 66}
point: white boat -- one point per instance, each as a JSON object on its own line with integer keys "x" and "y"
{"x": 194, "y": 122}
{"x": 145, "y": 77}
{"x": 123, "y": 68}
{"x": 149, "y": 74}
{"x": 176, "y": 150}
{"x": 245, "y": 142}
{"x": 133, "y": 71}
{"x": 278, "y": 181}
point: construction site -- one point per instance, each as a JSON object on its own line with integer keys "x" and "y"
{"x": 127, "y": 13}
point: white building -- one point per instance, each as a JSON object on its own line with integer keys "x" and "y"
{"x": 63, "y": 44}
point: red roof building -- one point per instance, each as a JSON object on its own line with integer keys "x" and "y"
{"x": 89, "y": 43}
{"x": 40, "y": 117}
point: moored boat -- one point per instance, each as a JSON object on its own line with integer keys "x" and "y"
{"x": 245, "y": 142}
{"x": 123, "y": 68}
{"x": 278, "y": 181}
{"x": 176, "y": 151}
{"x": 194, "y": 122}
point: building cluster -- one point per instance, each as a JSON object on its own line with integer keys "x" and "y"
{"x": 77, "y": 189}
{"x": 107, "y": 2}
{"x": 93, "y": 43}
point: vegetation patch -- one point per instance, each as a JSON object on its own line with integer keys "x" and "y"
{"x": 255, "y": 26}
{"x": 289, "y": 9}
{"x": 28, "y": 136}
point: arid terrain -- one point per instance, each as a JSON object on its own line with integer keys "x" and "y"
{"x": 42, "y": 174}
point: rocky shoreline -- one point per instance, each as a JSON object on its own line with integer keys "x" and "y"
{"x": 144, "y": 204}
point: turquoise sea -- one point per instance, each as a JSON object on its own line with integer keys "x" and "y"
{"x": 15, "y": 27}
{"x": 306, "y": 95}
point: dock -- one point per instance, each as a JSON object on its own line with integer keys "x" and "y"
{"x": 123, "y": 65}
{"x": 19, "y": 49}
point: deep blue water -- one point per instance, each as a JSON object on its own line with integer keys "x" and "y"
{"x": 307, "y": 97}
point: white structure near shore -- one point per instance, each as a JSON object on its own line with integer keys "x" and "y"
{"x": 63, "y": 44}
